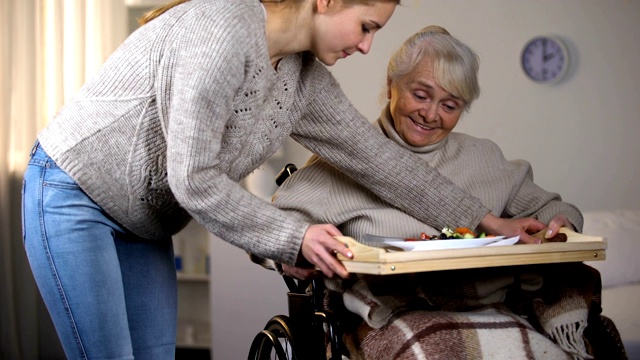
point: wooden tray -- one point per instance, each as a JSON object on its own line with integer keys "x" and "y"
{"x": 378, "y": 261}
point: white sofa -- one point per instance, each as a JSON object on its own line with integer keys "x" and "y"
{"x": 620, "y": 271}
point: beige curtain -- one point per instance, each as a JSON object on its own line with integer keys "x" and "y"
{"x": 47, "y": 50}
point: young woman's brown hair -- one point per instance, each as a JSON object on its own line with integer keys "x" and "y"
{"x": 152, "y": 14}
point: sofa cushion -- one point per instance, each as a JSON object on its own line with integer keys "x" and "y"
{"x": 622, "y": 230}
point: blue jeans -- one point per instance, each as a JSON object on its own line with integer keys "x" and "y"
{"x": 111, "y": 294}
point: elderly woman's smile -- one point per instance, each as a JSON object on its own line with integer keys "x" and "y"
{"x": 421, "y": 126}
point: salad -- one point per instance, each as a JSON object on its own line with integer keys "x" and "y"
{"x": 449, "y": 233}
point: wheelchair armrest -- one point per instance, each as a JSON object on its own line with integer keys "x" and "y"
{"x": 296, "y": 286}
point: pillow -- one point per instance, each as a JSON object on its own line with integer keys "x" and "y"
{"x": 622, "y": 230}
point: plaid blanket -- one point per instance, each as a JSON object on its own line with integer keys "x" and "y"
{"x": 520, "y": 312}
{"x": 489, "y": 333}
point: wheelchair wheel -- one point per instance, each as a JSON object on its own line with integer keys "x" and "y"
{"x": 266, "y": 346}
{"x": 275, "y": 342}
{"x": 332, "y": 335}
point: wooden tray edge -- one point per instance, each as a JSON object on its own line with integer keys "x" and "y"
{"x": 373, "y": 260}
{"x": 390, "y": 267}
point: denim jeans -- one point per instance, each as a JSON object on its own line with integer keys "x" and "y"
{"x": 111, "y": 294}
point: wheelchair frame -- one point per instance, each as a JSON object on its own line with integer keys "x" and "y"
{"x": 309, "y": 332}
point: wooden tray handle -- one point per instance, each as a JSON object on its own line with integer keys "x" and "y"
{"x": 572, "y": 236}
{"x": 363, "y": 252}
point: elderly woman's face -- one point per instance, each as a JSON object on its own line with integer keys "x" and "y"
{"x": 423, "y": 112}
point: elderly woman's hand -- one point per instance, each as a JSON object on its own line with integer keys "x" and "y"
{"x": 299, "y": 273}
{"x": 555, "y": 224}
{"x": 513, "y": 227}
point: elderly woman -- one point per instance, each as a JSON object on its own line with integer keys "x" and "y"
{"x": 431, "y": 81}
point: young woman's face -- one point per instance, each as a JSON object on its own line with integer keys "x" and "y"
{"x": 423, "y": 112}
{"x": 342, "y": 30}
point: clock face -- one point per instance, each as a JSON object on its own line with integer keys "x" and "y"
{"x": 545, "y": 59}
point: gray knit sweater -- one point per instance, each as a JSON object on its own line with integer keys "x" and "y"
{"x": 189, "y": 105}
{"x": 319, "y": 192}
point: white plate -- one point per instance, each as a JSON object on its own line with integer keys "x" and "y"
{"x": 422, "y": 245}
{"x": 504, "y": 242}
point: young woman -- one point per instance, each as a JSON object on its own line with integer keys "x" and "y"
{"x": 186, "y": 107}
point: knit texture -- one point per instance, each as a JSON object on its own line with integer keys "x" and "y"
{"x": 319, "y": 192}
{"x": 189, "y": 105}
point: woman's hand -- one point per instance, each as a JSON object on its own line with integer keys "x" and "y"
{"x": 492, "y": 224}
{"x": 555, "y": 224}
{"x": 319, "y": 247}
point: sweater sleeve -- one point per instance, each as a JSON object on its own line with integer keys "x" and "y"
{"x": 337, "y": 132}
{"x": 507, "y": 186}
{"x": 208, "y": 68}
{"x": 530, "y": 200}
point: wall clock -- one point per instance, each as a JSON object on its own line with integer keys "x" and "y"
{"x": 545, "y": 59}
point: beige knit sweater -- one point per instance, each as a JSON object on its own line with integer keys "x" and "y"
{"x": 319, "y": 192}
{"x": 189, "y": 105}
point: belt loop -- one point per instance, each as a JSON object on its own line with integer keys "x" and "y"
{"x": 35, "y": 147}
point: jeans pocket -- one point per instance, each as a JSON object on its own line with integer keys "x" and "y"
{"x": 56, "y": 178}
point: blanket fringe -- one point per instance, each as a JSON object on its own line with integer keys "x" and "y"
{"x": 569, "y": 338}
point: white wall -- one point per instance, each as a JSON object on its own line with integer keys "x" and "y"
{"x": 580, "y": 135}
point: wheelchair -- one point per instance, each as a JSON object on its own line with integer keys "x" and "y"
{"x": 310, "y": 331}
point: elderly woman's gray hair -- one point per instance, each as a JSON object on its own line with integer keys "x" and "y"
{"x": 455, "y": 65}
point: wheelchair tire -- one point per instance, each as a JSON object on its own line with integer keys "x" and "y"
{"x": 274, "y": 342}
{"x": 266, "y": 346}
